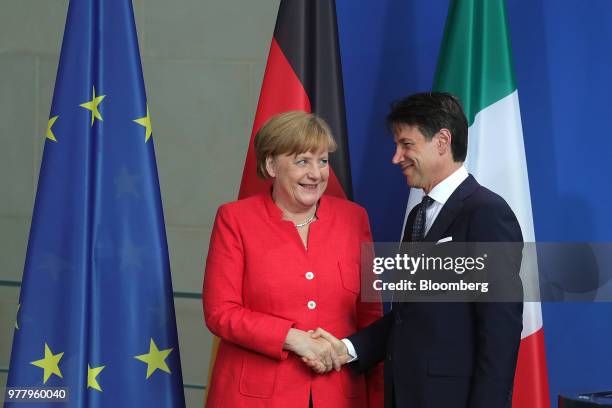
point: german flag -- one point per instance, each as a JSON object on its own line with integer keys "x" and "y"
{"x": 303, "y": 72}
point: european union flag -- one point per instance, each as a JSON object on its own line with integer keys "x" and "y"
{"x": 96, "y": 312}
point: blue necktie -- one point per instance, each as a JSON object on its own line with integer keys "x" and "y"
{"x": 418, "y": 229}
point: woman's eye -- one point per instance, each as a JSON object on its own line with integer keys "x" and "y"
{"x": 324, "y": 162}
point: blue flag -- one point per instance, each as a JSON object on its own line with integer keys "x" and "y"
{"x": 96, "y": 313}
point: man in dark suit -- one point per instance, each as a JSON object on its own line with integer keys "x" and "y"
{"x": 442, "y": 355}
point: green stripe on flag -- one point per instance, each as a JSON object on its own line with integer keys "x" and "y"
{"x": 475, "y": 61}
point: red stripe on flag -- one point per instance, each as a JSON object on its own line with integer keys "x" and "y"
{"x": 531, "y": 379}
{"x": 281, "y": 91}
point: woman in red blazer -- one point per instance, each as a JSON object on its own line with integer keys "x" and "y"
{"x": 281, "y": 264}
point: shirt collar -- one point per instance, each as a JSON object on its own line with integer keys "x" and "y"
{"x": 443, "y": 190}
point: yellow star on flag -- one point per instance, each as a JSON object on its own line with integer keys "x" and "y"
{"x": 146, "y": 122}
{"x": 50, "y": 134}
{"x": 17, "y": 316}
{"x": 49, "y": 364}
{"x": 155, "y": 359}
{"x": 93, "y": 106}
{"x": 92, "y": 373}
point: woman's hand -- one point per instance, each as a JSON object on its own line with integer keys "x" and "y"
{"x": 338, "y": 346}
{"x": 319, "y": 351}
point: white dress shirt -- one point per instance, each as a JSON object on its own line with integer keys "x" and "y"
{"x": 440, "y": 194}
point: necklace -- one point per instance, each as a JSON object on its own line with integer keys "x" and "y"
{"x": 308, "y": 221}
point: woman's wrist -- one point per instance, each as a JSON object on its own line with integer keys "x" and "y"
{"x": 291, "y": 339}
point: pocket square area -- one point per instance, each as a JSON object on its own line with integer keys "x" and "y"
{"x": 447, "y": 239}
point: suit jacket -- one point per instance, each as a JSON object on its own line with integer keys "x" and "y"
{"x": 451, "y": 355}
{"x": 260, "y": 281}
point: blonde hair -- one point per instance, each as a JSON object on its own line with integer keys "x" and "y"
{"x": 293, "y": 132}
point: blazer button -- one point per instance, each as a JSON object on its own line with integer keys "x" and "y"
{"x": 312, "y": 304}
{"x": 309, "y": 275}
{"x": 398, "y": 319}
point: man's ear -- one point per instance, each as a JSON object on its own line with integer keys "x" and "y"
{"x": 444, "y": 140}
{"x": 270, "y": 166}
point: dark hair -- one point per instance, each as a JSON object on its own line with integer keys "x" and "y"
{"x": 430, "y": 112}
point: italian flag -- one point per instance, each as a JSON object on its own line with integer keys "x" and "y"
{"x": 475, "y": 64}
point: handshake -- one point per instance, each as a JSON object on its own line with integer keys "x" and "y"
{"x": 319, "y": 350}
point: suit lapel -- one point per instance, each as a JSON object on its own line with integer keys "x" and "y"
{"x": 451, "y": 209}
{"x": 447, "y": 215}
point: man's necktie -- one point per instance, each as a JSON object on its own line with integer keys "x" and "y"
{"x": 418, "y": 229}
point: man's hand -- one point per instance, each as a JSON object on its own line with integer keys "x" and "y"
{"x": 318, "y": 351}
{"x": 339, "y": 349}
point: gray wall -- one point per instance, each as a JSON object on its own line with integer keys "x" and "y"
{"x": 203, "y": 63}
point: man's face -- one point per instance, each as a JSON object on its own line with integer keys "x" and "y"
{"x": 418, "y": 157}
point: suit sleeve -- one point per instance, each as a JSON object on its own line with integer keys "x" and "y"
{"x": 224, "y": 311}
{"x": 498, "y": 325}
{"x": 367, "y": 313}
{"x": 371, "y": 343}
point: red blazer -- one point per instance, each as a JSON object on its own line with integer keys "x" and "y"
{"x": 260, "y": 281}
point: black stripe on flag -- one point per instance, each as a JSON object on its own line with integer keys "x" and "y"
{"x": 307, "y": 32}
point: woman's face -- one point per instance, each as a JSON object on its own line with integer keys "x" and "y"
{"x": 299, "y": 180}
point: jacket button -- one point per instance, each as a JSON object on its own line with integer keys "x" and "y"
{"x": 309, "y": 275}
{"x": 312, "y": 304}
{"x": 398, "y": 319}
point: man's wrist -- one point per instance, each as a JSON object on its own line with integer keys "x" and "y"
{"x": 350, "y": 350}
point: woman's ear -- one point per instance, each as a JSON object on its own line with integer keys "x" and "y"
{"x": 270, "y": 168}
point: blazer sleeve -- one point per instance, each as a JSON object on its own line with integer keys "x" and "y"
{"x": 498, "y": 325}
{"x": 224, "y": 310}
{"x": 367, "y": 313}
